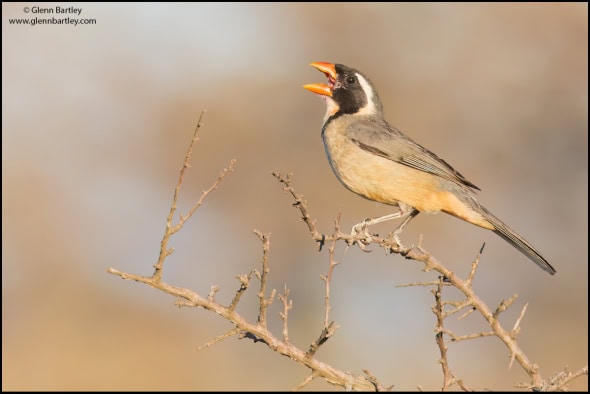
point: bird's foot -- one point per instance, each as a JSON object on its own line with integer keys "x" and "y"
{"x": 361, "y": 235}
{"x": 395, "y": 237}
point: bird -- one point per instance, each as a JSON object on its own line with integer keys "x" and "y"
{"x": 377, "y": 161}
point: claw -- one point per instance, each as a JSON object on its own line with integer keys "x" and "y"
{"x": 359, "y": 231}
{"x": 363, "y": 247}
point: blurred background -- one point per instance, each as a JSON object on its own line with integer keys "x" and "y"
{"x": 96, "y": 120}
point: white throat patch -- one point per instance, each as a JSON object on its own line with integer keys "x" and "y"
{"x": 331, "y": 109}
{"x": 369, "y": 108}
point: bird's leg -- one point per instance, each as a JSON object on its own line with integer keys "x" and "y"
{"x": 399, "y": 228}
{"x": 361, "y": 228}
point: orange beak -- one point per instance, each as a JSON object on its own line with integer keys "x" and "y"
{"x": 321, "y": 88}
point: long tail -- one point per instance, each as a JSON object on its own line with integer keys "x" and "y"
{"x": 517, "y": 241}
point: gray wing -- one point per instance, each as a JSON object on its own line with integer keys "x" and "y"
{"x": 380, "y": 138}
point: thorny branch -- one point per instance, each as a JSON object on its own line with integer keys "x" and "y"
{"x": 439, "y": 313}
{"x": 259, "y": 332}
{"x": 328, "y": 277}
{"x": 169, "y": 231}
{"x": 391, "y": 245}
{"x": 448, "y": 377}
{"x": 264, "y": 302}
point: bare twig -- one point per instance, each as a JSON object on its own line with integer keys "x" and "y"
{"x": 212, "y": 292}
{"x": 264, "y": 303}
{"x": 244, "y": 283}
{"x": 164, "y": 251}
{"x": 301, "y": 204}
{"x": 329, "y": 327}
{"x": 467, "y": 313}
{"x": 204, "y": 194}
{"x": 230, "y": 333}
{"x": 516, "y": 328}
{"x": 560, "y": 381}
{"x": 287, "y": 304}
{"x": 170, "y": 230}
{"x": 439, "y": 313}
{"x": 469, "y": 280}
{"x": 305, "y": 382}
{"x": 459, "y": 306}
{"x": 327, "y": 332}
{"x": 328, "y": 277}
{"x": 414, "y": 284}
{"x": 373, "y": 379}
{"x": 504, "y": 305}
{"x": 457, "y": 338}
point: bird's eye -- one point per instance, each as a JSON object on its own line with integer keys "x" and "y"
{"x": 351, "y": 80}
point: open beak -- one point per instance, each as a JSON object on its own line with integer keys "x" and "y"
{"x": 321, "y": 88}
